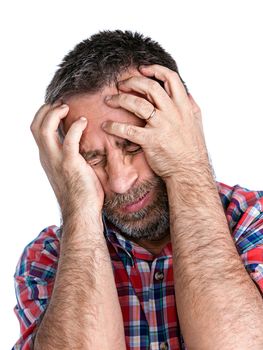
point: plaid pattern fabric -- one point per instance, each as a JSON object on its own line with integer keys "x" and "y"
{"x": 144, "y": 282}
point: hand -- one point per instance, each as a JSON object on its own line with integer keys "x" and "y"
{"x": 72, "y": 179}
{"x": 173, "y": 137}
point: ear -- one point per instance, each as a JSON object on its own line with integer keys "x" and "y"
{"x": 196, "y": 109}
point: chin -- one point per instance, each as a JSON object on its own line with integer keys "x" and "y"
{"x": 151, "y": 224}
{"x": 149, "y": 219}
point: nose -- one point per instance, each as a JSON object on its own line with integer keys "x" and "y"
{"x": 121, "y": 173}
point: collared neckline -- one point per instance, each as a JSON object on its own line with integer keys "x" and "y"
{"x": 132, "y": 249}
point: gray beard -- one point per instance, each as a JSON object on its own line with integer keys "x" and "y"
{"x": 151, "y": 222}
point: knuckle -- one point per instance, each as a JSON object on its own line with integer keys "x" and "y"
{"x": 44, "y": 133}
{"x": 124, "y": 98}
{"x": 33, "y": 128}
{"x": 197, "y": 110}
{"x": 130, "y": 130}
{"x": 67, "y": 144}
{"x": 152, "y": 84}
{"x": 198, "y": 116}
{"x": 154, "y": 66}
{"x": 139, "y": 103}
{"x": 148, "y": 109}
{"x": 174, "y": 75}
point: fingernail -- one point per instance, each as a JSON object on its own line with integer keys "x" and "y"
{"x": 104, "y": 125}
{"x": 83, "y": 119}
{"x": 63, "y": 106}
{"x": 107, "y": 98}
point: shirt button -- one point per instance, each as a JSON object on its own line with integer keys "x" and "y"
{"x": 159, "y": 276}
{"x": 163, "y": 346}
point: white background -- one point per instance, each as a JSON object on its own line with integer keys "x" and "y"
{"x": 218, "y": 47}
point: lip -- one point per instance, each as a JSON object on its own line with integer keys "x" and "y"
{"x": 137, "y": 205}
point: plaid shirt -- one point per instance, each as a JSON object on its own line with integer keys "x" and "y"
{"x": 144, "y": 282}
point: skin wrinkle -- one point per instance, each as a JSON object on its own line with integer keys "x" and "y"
{"x": 122, "y": 144}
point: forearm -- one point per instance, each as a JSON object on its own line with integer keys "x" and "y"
{"x": 218, "y": 304}
{"x": 84, "y": 311}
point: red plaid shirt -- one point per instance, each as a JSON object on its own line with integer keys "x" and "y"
{"x": 144, "y": 282}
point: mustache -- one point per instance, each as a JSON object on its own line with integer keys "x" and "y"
{"x": 133, "y": 195}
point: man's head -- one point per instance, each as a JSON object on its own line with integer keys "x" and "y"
{"x": 86, "y": 76}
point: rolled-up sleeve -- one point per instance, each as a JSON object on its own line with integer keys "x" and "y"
{"x": 34, "y": 280}
{"x": 251, "y": 247}
{"x": 244, "y": 212}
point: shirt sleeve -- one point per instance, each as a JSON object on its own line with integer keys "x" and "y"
{"x": 245, "y": 216}
{"x": 250, "y": 245}
{"x": 34, "y": 280}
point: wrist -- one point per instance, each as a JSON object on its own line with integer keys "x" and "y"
{"x": 83, "y": 231}
{"x": 80, "y": 208}
{"x": 191, "y": 185}
{"x": 191, "y": 171}
{"x": 82, "y": 216}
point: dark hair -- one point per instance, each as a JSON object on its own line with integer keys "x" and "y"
{"x": 98, "y": 61}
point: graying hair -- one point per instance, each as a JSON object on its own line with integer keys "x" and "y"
{"x": 99, "y": 60}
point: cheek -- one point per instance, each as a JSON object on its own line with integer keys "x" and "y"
{"x": 102, "y": 176}
{"x": 142, "y": 165}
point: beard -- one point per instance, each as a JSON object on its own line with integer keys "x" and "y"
{"x": 149, "y": 223}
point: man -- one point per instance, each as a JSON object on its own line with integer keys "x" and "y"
{"x": 152, "y": 253}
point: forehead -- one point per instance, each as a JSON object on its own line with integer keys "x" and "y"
{"x": 93, "y": 107}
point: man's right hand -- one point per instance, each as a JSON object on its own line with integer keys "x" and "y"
{"x": 84, "y": 272}
{"x": 74, "y": 181}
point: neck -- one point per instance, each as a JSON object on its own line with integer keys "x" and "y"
{"x": 154, "y": 247}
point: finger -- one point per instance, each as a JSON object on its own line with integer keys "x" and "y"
{"x": 48, "y": 131}
{"x": 38, "y": 118}
{"x": 171, "y": 80}
{"x": 134, "y": 104}
{"x": 40, "y": 114}
{"x": 149, "y": 87}
{"x": 195, "y": 108}
{"x": 130, "y": 132}
{"x": 73, "y": 136}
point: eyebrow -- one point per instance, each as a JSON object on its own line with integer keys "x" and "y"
{"x": 88, "y": 155}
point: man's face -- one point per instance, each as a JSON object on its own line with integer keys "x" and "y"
{"x": 135, "y": 197}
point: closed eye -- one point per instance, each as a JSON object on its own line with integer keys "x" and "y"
{"x": 134, "y": 151}
{"x": 94, "y": 158}
{"x": 133, "y": 148}
{"x": 97, "y": 161}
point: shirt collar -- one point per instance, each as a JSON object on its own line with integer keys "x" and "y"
{"x": 132, "y": 249}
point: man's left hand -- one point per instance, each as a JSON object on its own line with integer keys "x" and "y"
{"x": 173, "y": 137}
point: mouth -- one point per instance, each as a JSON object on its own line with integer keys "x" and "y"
{"x": 138, "y": 204}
